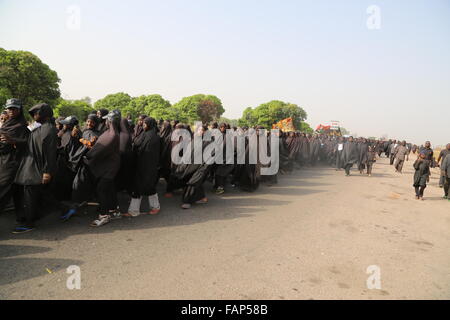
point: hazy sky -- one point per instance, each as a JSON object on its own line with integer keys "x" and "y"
{"x": 318, "y": 54}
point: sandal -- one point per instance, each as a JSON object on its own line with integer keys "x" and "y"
{"x": 102, "y": 220}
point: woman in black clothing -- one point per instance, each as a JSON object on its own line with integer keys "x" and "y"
{"x": 165, "y": 161}
{"x": 103, "y": 161}
{"x": 147, "y": 152}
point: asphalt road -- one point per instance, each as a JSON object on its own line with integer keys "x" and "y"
{"x": 312, "y": 236}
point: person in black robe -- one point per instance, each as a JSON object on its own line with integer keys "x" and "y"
{"x": 83, "y": 185}
{"x": 174, "y": 183}
{"x": 127, "y": 160}
{"x": 101, "y": 123}
{"x": 165, "y": 161}
{"x": 350, "y": 155}
{"x": 273, "y": 178}
{"x": 191, "y": 176}
{"x": 285, "y": 163}
{"x": 293, "y": 145}
{"x": 339, "y": 151}
{"x": 421, "y": 175}
{"x": 139, "y": 128}
{"x": 363, "y": 149}
{"x": 147, "y": 153}
{"x": 69, "y": 143}
{"x": 37, "y": 167}
{"x": 13, "y": 139}
{"x": 304, "y": 152}
{"x": 314, "y": 143}
{"x": 222, "y": 171}
{"x": 248, "y": 175}
{"x": 103, "y": 161}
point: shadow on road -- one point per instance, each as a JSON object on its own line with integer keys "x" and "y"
{"x": 234, "y": 204}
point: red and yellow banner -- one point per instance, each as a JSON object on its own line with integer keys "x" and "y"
{"x": 286, "y": 125}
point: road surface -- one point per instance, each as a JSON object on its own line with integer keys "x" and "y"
{"x": 312, "y": 236}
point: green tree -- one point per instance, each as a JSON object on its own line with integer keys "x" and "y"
{"x": 24, "y": 76}
{"x": 306, "y": 128}
{"x": 152, "y": 105}
{"x": 79, "y": 108}
{"x": 205, "y": 108}
{"x": 248, "y": 118}
{"x": 115, "y": 101}
{"x": 271, "y": 112}
{"x": 231, "y": 122}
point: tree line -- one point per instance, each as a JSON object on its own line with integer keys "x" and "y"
{"x": 24, "y": 76}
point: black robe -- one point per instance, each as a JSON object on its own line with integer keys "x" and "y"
{"x": 83, "y": 183}
{"x": 147, "y": 152}
{"x": 10, "y": 154}
{"x": 191, "y": 177}
{"x": 422, "y": 172}
{"x": 363, "y": 149}
{"x": 248, "y": 175}
{"x": 314, "y": 150}
{"x": 165, "y": 160}
{"x": 350, "y": 153}
{"x": 39, "y": 156}
{"x": 104, "y": 157}
{"x": 62, "y": 183}
{"x": 127, "y": 160}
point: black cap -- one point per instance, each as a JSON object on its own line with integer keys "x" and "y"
{"x": 70, "y": 120}
{"x": 114, "y": 114}
{"x": 13, "y": 103}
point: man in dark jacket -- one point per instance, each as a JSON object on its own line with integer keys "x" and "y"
{"x": 37, "y": 167}
{"x": 400, "y": 154}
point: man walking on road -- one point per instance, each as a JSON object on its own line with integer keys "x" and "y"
{"x": 427, "y": 151}
{"x": 400, "y": 153}
{"x": 392, "y": 148}
{"x": 350, "y": 155}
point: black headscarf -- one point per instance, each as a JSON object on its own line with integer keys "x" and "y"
{"x": 43, "y": 110}
{"x": 16, "y": 130}
{"x": 13, "y": 126}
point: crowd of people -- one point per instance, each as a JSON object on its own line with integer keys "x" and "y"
{"x": 56, "y": 163}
